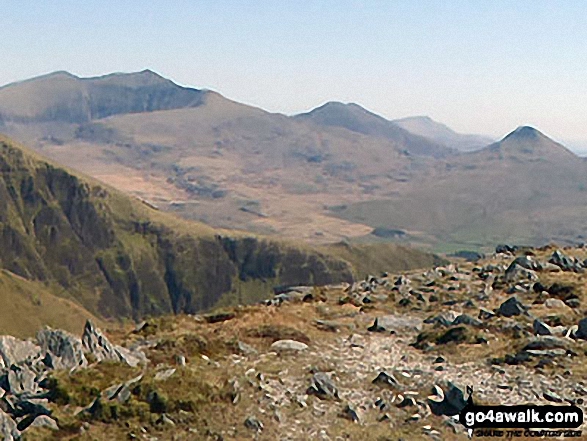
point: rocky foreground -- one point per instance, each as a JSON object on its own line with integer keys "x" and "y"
{"x": 387, "y": 358}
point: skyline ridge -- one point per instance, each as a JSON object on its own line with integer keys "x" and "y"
{"x": 156, "y": 76}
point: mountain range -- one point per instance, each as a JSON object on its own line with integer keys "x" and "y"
{"x": 338, "y": 172}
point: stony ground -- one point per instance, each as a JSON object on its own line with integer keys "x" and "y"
{"x": 387, "y": 358}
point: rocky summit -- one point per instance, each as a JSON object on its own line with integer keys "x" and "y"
{"x": 387, "y": 358}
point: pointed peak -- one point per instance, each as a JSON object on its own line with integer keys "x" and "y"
{"x": 529, "y": 141}
{"x": 59, "y": 73}
{"x": 525, "y": 132}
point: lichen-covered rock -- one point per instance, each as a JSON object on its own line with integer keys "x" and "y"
{"x": 8, "y": 430}
{"x": 97, "y": 344}
{"x": 65, "y": 350}
{"x": 323, "y": 387}
{"x": 15, "y": 351}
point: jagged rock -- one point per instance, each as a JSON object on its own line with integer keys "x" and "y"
{"x": 541, "y": 328}
{"x": 406, "y": 401}
{"x": 120, "y": 392}
{"x": 582, "y": 329}
{"x": 165, "y": 420}
{"x": 485, "y": 314}
{"x": 572, "y": 302}
{"x": 553, "y": 397}
{"x": 566, "y": 263}
{"x": 380, "y": 404}
{"x": 66, "y": 349}
{"x": 445, "y": 318}
{"x": 511, "y": 307}
{"x": 351, "y": 413}
{"x": 15, "y": 351}
{"x": 386, "y": 379}
{"x": 525, "y": 262}
{"x": 254, "y": 424}
{"x": 164, "y": 375}
{"x": 506, "y": 249}
{"x": 323, "y": 387}
{"x": 453, "y": 401}
{"x": 383, "y": 418}
{"x": 516, "y": 273}
{"x": 45, "y": 422}
{"x": 465, "y": 319}
{"x": 31, "y": 406}
{"x": 289, "y": 346}
{"x": 97, "y": 344}
{"x": 8, "y": 429}
{"x": 21, "y": 379}
{"x": 394, "y": 323}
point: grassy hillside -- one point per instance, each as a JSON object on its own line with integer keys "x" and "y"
{"x": 27, "y": 306}
{"x": 118, "y": 257}
{"x": 376, "y": 258}
{"x": 525, "y": 189}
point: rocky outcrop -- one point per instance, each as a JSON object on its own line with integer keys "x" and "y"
{"x": 26, "y": 365}
{"x": 15, "y": 351}
{"x": 96, "y": 343}
{"x": 63, "y": 350}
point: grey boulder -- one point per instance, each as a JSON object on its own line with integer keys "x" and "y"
{"x": 8, "y": 429}
{"x": 15, "y": 351}
{"x": 65, "y": 350}
{"x": 96, "y": 343}
{"x": 511, "y": 307}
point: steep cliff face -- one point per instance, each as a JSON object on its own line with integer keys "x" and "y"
{"x": 119, "y": 258}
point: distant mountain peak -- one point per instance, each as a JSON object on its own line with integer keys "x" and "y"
{"x": 530, "y": 141}
{"x": 59, "y": 73}
{"x": 336, "y": 106}
{"x": 424, "y": 125}
{"x": 145, "y": 77}
{"x": 526, "y": 132}
{"x": 356, "y": 118}
{"x": 61, "y": 96}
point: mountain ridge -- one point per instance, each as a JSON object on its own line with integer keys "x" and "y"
{"x": 67, "y": 98}
{"x": 356, "y": 118}
{"x": 429, "y": 128}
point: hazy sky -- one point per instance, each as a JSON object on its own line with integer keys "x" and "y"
{"x": 478, "y": 66}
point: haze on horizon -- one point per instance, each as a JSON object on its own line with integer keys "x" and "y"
{"x": 479, "y": 67}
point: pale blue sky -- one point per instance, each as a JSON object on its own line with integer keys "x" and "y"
{"x": 478, "y": 66}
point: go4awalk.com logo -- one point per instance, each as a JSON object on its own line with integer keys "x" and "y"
{"x": 522, "y": 420}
